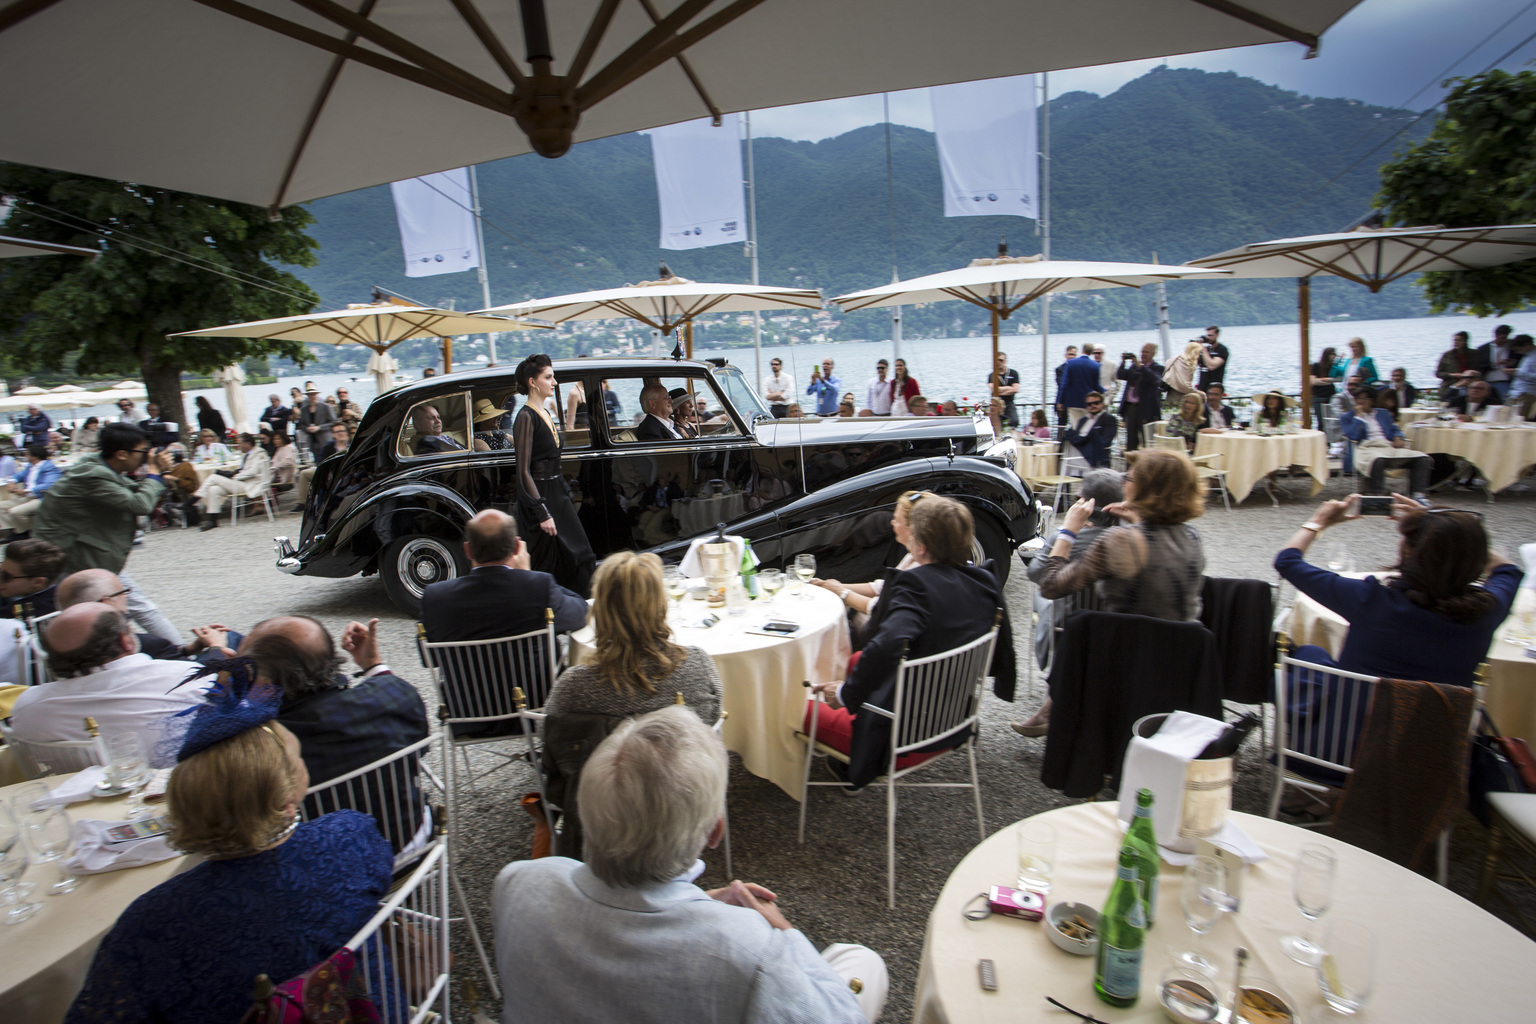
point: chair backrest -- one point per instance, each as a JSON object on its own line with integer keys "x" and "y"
{"x": 1318, "y": 713}
{"x": 1151, "y": 430}
{"x": 402, "y": 952}
{"x": 939, "y": 695}
{"x": 476, "y": 678}
{"x": 387, "y": 791}
{"x": 1173, "y": 444}
{"x": 37, "y": 759}
{"x": 18, "y": 654}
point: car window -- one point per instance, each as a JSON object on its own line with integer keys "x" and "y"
{"x": 435, "y": 426}
{"x": 747, "y": 401}
{"x": 693, "y": 408}
{"x": 575, "y": 412}
{"x": 490, "y": 410}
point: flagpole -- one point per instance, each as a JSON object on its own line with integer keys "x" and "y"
{"x": 1164, "y": 325}
{"x": 890, "y": 202}
{"x": 757, "y": 317}
{"x": 1043, "y": 225}
{"x": 485, "y": 284}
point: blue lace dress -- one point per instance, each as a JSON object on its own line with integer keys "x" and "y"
{"x": 187, "y": 951}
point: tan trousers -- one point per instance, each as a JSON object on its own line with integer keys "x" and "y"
{"x": 301, "y": 484}
{"x": 17, "y": 511}
{"x": 216, "y": 491}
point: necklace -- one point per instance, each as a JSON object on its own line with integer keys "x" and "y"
{"x": 285, "y": 833}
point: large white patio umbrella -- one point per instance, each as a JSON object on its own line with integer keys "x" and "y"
{"x": 1004, "y": 284}
{"x": 1373, "y": 257}
{"x": 15, "y": 247}
{"x": 232, "y": 379}
{"x": 665, "y": 304}
{"x": 160, "y": 91}
{"x": 376, "y": 326}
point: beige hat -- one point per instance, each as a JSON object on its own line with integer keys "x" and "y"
{"x": 485, "y": 410}
{"x": 1290, "y": 403}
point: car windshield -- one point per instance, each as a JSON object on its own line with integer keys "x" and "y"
{"x": 746, "y": 400}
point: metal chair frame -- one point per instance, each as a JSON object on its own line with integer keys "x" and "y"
{"x": 936, "y": 698}
{"x": 385, "y": 790}
{"x": 1502, "y": 831}
{"x": 268, "y": 504}
{"x": 417, "y": 907}
{"x": 59, "y": 757}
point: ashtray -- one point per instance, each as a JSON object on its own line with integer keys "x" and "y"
{"x": 1066, "y": 923}
{"x": 105, "y": 788}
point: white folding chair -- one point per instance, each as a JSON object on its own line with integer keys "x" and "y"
{"x": 389, "y": 791}
{"x": 268, "y": 504}
{"x": 402, "y": 953}
{"x": 61, "y": 757}
{"x": 936, "y": 698}
{"x": 725, "y": 810}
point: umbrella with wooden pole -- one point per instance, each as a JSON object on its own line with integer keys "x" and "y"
{"x": 665, "y": 304}
{"x": 1373, "y": 257}
{"x": 1004, "y": 284}
{"x": 15, "y": 247}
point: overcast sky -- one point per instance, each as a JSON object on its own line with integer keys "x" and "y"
{"x": 1388, "y": 52}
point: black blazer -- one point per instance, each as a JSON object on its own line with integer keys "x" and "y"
{"x": 925, "y": 610}
{"x": 1144, "y": 389}
{"x": 426, "y": 444}
{"x": 494, "y": 601}
{"x": 651, "y": 430}
{"x": 1095, "y": 447}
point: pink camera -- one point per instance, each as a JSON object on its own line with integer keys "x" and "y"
{"x": 1020, "y": 903}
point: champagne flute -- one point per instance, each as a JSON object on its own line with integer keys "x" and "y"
{"x": 13, "y": 862}
{"x": 128, "y": 767}
{"x": 805, "y": 568}
{"x": 770, "y": 581}
{"x": 1204, "y": 899}
{"x": 49, "y": 833}
{"x": 1312, "y": 887}
{"x": 1347, "y": 972}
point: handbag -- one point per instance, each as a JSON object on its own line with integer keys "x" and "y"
{"x": 1500, "y": 764}
{"x": 331, "y": 993}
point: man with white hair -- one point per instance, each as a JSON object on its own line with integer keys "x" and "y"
{"x": 628, "y": 936}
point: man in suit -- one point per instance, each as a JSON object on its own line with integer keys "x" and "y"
{"x": 1406, "y": 393}
{"x": 657, "y": 425}
{"x": 429, "y": 432}
{"x": 157, "y": 428}
{"x": 1218, "y": 415}
{"x": 582, "y": 941}
{"x": 1475, "y": 403}
{"x": 1094, "y": 431}
{"x": 252, "y": 478}
{"x": 1078, "y": 377}
{"x": 1143, "y": 401}
{"x": 28, "y": 575}
{"x": 1061, "y": 367}
{"x": 500, "y": 595}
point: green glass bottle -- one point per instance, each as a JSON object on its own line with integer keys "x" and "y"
{"x": 1122, "y": 934}
{"x": 748, "y": 570}
{"x": 1142, "y": 837}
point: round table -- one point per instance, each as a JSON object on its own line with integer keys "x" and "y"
{"x": 763, "y": 676}
{"x": 1440, "y": 957}
{"x": 1511, "y": 684}
{"x": 1500, "y": 452}
{"x": 1033, "y": 461}
{"x": 44, "y": 959}
{"x": 1417, "y": 414}
{"x": 1249, "y": 457}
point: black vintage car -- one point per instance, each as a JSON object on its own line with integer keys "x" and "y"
{"x": 826, "y": 487}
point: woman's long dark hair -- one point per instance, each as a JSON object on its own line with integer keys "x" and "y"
{"x": 1275, "y": 415}
{"x": 528, "y": 369}
{"x": 1324, "y": 365}
{"x": 1446, "y": 551}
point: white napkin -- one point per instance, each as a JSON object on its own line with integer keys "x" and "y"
{"x": 81, "y": 787}
{"x": 1159, "y": 764}
{"x": 1528, "y": 556}
{"x": 94, "y": 854}
{"x": 1231, "y": 837}
{"x": 692, "y": 564}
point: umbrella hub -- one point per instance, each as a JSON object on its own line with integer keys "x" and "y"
{"x": 546, "y": 111}
{"x": 674, "y": 279}
{"x": 994, "y": 261}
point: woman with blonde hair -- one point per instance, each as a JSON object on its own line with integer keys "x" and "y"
{"x": 274, "y": 895}
{"x": 1189, "y": 420}
{"x": 1180, "y": 375}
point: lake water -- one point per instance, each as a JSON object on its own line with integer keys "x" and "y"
{"x": 1262, "y": 358}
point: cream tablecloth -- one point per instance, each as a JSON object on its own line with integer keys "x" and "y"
{"x": 1406, "y": 417}
{"x": 1500, "y": 453}
{"x": 1036, "y": 460}
{"x": 1511, "y": 689}
{"x": 1441, "y": 958}
{"x": 44, "y": 959}
{"x": 763, "y": 676}
{"x": 1248, "y": 457}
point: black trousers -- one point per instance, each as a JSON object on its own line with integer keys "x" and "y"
{"x": 567, "y": 556}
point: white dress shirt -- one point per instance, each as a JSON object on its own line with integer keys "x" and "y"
{"x": 877, "y": 396}
{"x": 782, "y": 383}
{"x": 132, "y": 694}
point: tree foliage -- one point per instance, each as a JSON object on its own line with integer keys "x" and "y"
{"x": 1477, "y": 167}
{"x": 111, "y": 313}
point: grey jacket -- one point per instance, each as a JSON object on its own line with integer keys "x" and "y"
{"x": 91, "y": 512}
{"x": 571, "y": 948}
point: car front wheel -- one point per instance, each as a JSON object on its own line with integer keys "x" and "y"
{"x": 991, "y": 542}
{"x": 411, "y": 564}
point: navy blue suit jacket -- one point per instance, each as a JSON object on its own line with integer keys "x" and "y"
{"x": 1095, "y": 444}
{"x": 494, "y": 601}
{"x": 1078, "y": 378}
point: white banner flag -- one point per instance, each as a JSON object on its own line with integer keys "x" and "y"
{"x": 437, "y": 223}
{"x": 699, "y": 183}
{"x": 987, "y": 150}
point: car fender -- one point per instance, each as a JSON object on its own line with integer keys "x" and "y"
{"x": 412, "y": 508}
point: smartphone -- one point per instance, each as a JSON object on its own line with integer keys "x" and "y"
{"x": 132, "y": 831}
{"x": 780, "y": 626}
{"x": 1376, "y": 504}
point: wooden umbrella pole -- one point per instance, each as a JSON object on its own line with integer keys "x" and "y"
{"x": 447, "y": 355}
{"x": 688, "y": 337}
{"x": 997, "y": 420}
{"x": 1304, "y": 312}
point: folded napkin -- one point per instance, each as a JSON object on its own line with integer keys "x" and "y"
{"x": 82, "y": 786}
{"x": 1231, "y": 837}
{"x": 1159, "y": 764}
{"x": 95, "y": 853}
{"x": 693, "y": 562}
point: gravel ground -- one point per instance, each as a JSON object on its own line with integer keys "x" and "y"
{"x": 833, "y": 887}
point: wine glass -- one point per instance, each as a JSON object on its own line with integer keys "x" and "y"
{"x": 1312, "y": 887}
{"x": 13, "y": 862}
{"x": 1346, "y": 973}
{"x": 1203, "y": 898}
{"x": 805, "y": 568}
{"x": 128, "y": 768}
{"x": 770, "y": 582}
{"x": 49, "y": 832}
{"x": 677, "y": 585}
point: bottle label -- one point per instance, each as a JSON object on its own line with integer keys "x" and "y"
{"x": 1122, "y": 972}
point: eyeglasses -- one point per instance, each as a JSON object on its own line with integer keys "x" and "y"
{"x": 120, "y": 593}
{"x": 6, "y": 577}
{"x": 140, "y": 451}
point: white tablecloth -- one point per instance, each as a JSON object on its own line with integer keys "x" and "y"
{"x": 1511, "y": 690}
{"x": 1500, "y": 453}
{"x": 1036, "y": 460}
{"x": 1441, "y": 958}
{"x": 1249, "y": 457}
{"x": 763, "y": 676}
{"x": 1405, "y": 417}
{"x": 44, "y": 959}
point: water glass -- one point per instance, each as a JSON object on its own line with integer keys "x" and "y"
{"x": 49, "y": 833}
{"x": 1347, "y": 972}
{"x": 770, "y": 582}
{"x": 1189, "y": 993}
{"x": 1037, "y": 856}
{"x": 1312, "y": 888}
{"x": 1203, "y": 898}
{"x": 128, "y": 768}
{"x": 676, "y": 584}
{"x": 13, "y": 863}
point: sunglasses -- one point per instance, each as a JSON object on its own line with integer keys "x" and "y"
{"x": 913, "y": 497}
{"x": 6, "y": 577}
{"x": 1459, "y": 511}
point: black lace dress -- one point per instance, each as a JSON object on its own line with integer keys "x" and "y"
{"x": 542, "y": 494}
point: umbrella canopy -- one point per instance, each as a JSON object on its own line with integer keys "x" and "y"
{"x": 66, "y": 389}
{"x": 383, "y": 366}
{"x": 408, "y": 87}
{"x": 1373, "y": 257}
{"x": 11, "y": 247}
{"x": 377, "y": 326}
{"x": 233, "y": 379}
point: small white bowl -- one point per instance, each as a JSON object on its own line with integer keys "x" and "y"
{"x": 1065, "y": 911}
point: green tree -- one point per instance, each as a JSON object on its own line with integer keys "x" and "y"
{"x": 170, "y": 261}
{"x": 1477, "y": 167}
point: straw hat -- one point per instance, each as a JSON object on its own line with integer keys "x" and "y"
{"x": 1289, "y": 402}
{"x": 485, "y": 409}
{"x": 680, "y": 398}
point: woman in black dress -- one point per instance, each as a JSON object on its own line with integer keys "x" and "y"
{"x": 209, "y": 418}
{"x": 557, "y": 544}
